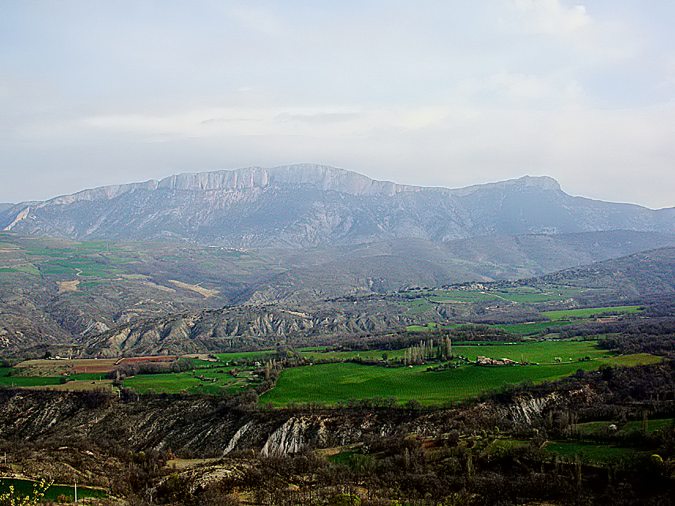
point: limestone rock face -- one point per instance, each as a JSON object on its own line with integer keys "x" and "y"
{"x": 312, "y": 205}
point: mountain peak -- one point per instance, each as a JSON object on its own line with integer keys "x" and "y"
{"x": 542, "y": 182}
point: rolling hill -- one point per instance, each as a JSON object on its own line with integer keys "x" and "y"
{"x": 642, "y": 274}
{"x": 56, "y": 292}
{"x": 231, "y": 328}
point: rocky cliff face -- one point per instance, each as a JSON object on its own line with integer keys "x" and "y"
{"x": 206, "y": 427}
{"x": 311, "y": 205}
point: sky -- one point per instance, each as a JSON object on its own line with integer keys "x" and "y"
{"x": 440, "y": 93}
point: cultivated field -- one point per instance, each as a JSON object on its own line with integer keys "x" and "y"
{"x": 334, "y": 383}
{"x": 211, "y": 381}
{"x": 336, "y": 376}
{"x": 554, "y": 321}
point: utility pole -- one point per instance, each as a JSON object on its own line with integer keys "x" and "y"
{"x": 75, "y": 489}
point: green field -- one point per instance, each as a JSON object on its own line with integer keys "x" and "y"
{"x": 538, "y": 352}
{"x": 591, "y": 428}
{"x": 25, "y": 269}
{"x": 444, "y": 296}
{"x": 520, "y": 295}
{"x": 211, "y": 381}
{"x": 423, "y": 328}
{"x": 528, "y": 329}
{"x": 559, "y": 318}
{"x": 333, "y": 383}
{"x": 515, "y": 329}
{"x": 349, "y": 355}
{"x": 25, "y": 487}
{"x": 417, "y": 306}
{"x": 29, "y": 381}
{"x": 652, "y": 425}
{"x": 590, "y": 311}
{"x": 245, "y": 355}
{"x": 590, "y": 452}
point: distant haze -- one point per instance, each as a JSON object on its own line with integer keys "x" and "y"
{"x": 424, "y": 93}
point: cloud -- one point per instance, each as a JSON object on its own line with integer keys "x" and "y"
{"x": 317, "y": 117}
{"x": 551, "y": 17}
{"x": 448, "y": 93}
{"x": 258, "y": 19}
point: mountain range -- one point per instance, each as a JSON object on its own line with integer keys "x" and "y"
{"x": 224, "y": 259}
{"x": 302, "y": 206}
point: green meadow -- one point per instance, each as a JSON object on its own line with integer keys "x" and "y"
{"x": 590, "y": 452}
{"x": 538, "y": 351}
{"x": 590, "y": 311}
{"x": 556, "y": 319}
{"x": 245, "y": 355}
{"x": 211, "y": 381}
{"x": 53, "y": 493}
{"x": 330, "y": 384}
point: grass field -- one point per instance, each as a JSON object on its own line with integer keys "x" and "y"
{"x": 245, "y": 355}
{"x": 333, "y": 383}
{"x": 28, "y": 381}
{"x": 519, "y": 295}
{"x": 559, "y": 318}
{"x": 347, "y": 355}
{"x": 516, "y": 329}
{"x": 422, "y": 328}
{"x": 539, "y": 351}
{"x": 652, "y": 425}
{"x": 212, "y": 381}
{"x": 528, "y": 329}
{"x": 590, "y": 311}
{"x": 590, "y": 428}
{"x": 25, "y": 487}
{"x": 590, "y": 452}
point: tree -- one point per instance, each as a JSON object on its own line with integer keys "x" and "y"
{"x": 14, "y": 498}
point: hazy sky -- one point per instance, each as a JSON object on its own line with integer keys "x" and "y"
{"x": 440, "y": 92}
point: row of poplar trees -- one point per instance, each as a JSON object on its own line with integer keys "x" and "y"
{"x": 428, "y": 350}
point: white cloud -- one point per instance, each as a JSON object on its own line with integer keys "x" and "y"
{"x": 521, "y": 89}
{"x": 551, "y": 17}
{"x": 446, "y": 93}
{"x": 258, "y": 18}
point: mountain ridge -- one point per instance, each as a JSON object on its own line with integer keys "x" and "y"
{"x": 260, "y": 177}
{"x": 308, "y": 205}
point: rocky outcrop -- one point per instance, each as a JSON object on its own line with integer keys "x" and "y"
{"x": 250, "y": 326}
{"x": 22, "y": 215}
{"x": 208, "y": 428}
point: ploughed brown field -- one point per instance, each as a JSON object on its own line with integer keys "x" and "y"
{"x": 55, "y": 367}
